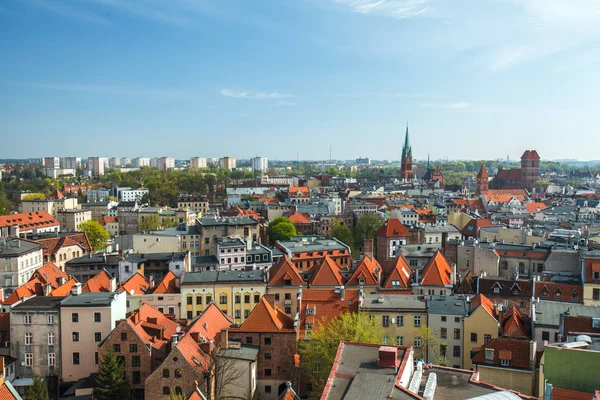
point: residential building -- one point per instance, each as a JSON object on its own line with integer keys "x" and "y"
{"x": 18, "y": 259}
{"x": 86, "y": 319}
{"x": 445, "y": 315}
{"x": 114, "y": 162}
{"x": 198, "y": 203}
{"x": 259, "y": 164}
{"x": 141, "y": 162}
{"x": 95, "y": 165}
{"x": 236, "y": 293}
{"x": 481, "y": 327}
{"x": 269, "y": 328}
{"x": 129, "y": 194}
{"x": 227, "y": 163}
{"x": 153, "y": 265}
{"x": 141, "y": 342}
{"x": 101, "y": 282}
{"x": 591, "y": 279}
{"x": 15, "y": 225}
{"x": 86, "y": 267}
{"x": 239, "y": 363}
{"x": 164, "y": 296}
{"x": 52, "y": 162}
{"x": 283, "y": 284}
{"x": 62, "y": 247}
{"x": 246, "y": 228}
{"x": 438, "y": 277}
{"x": 111, "y": 224}
{"x": 98, "y": 195}
{"x": 52, "y": 205}
{"x": 391, "y": 236}
{"x": 306, "y": 252}
{"x": 297, "y": 194}
{"x": 101, "y": 209}
{"x": 70, "y": 219}
{"x": 165, "y": 163}
{"x": 41, "y": 282}
{"x": 198, "y": 162}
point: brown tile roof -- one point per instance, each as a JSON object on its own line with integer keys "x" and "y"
{"x": 54, "y": 244}
{"x": 437, "y": 272}
{"x": 513, "y": 323}
{"x": 513, "y": 174}
{"x": 565, "y": 394}
{"x": 49, "y": 273}
{"x": 266, "y": 317}
{"x": 481, "y": 300}
{"x": 29, "y": 221}
{"x": 482, "y": 172}
{"x": 326, "y": 305}
{"x": 474, "y": 225}
{"x": 168, "y": 284}
{"x": 401, "y": 272}
{"x": 368, "y": 270}
{"x": 284, "y": 271}
{"x": 65, "y": 289}
{"x": 326, "y": 273}
{"x": 517, "y": 351}
{"x": 592, "y": 265}
{"x": 101, "y": 282}
{"x": 577, "y": 324}
{"x": 530, "y": 155}
{"x": 559, "y": 291}
{"x": 470, "y": 204}
{"x": 393, "y": 228}
{"x": 136, "y": 285}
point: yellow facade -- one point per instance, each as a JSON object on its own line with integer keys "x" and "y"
{"x": 517, "y": 380}
{"x": 480, "y": 328}
{"x": 459, "y": 219}
{"x": 588, "y": 294}
{"x": 286, "y": 298}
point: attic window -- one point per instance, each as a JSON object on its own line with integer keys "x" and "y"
{"x": 596, "y": 275}
{"x": 505, "y": 363}
{"x": 544, "y": 292}
{"x": 574, "y": 295}
{"x": 489, "y": 355}
{"x": 496, "y": 290}
{"x": 310, "y": 311}
{"x": 557, "y": 293}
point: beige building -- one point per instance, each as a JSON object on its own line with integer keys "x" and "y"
{"x": 446, "y": 316}
{"x": 510, "y": 235}
{"x": 51, "y": 206}
{"x": 234, "y": 292}
{"x": 70, "y": 219}
{"x": 228, "y": 163}
{"x": 245, "y": 228}
{"x": 86, "y": 319}
{"x": 480, "y": 326}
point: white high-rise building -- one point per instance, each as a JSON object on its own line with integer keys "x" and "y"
{"x": 259, "y": 164}
{"x": 165, "y": 163}
{"x": 141, "y": 162}
{"x": 51, "y": 162}
{"x": 70, "y": 162}
{"x": 198, "y": 162}
{"x": 125, "y": 161}
{"x": 114, "y": 162}
{"x": 96, "y": 165}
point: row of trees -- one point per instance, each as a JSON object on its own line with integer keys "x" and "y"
{"x": 365, "y": 228}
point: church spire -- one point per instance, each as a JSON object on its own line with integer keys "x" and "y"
{"x": 428, "y": 163}
{"x": 406, "y": 150}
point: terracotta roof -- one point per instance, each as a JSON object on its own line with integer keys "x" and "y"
{"x": 516, "y": 350}
{"x": 577, "y": 324}
{"x": 518, "y": 193}
{"x": 49, "y": 273}
{"x": 513, "y": 323}
{"x": 209, "y": 323}
{"x": 535, "y": 207}
{"x": 168, "y": 284}
{"x": 437, "y": 272}
{"x": 288, "y": 394}
{"x": 392, "y": 228}
{"x": 470, "y": 204}
{"x": 29, "y": 221}
{"x": 284, "y": 271}
{"x": 368, "y": 270}
{"x": 592, "y": 265}
{"x": 326, "y": 273}
{"x": 513, "y": 174}
{"x": 65, "y": 289}
{"x": 325, "y": 305}
{"x": 298, "y": 218}
{"x": 295, "y": 190}
{"x": 481, "y": 300}
{"x": 267, "y": 317}
{"x": 559, "y": 291}
{"x": 6, "y": 394}
{"x": 107, "y": 220}
{"x": 472, "y": 228}
{"x": 530, "y": 155}
{"x": 401, "y": 272}
{"x": 196, "y": 358}
{"x": 196, "y": 395}
{"x": 101, "y": 282}
{"x": 147, "y": 322}
{"x": 482, "y": 172}
{"x": 137, "y": 284}
{"x": 565, "y": 394}
{"x": 54, "y": 244}
{"x": 503, "y": 198}
{"x": 30, "y": 288}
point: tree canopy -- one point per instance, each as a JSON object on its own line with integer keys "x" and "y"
{"x": 38, "y": 390}
{"x": 35, "y": 196}
{"x": 318, "y": 353}
{"x": 365, "y": 228}
{"x": 96, "y": 234}
{"x": 281, "y": 228}
{"x": 342, "y": 233}
{"x": 112, "y": 382}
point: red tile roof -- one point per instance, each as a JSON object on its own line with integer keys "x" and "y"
{"x": 535, "y": 207}
{"x": 196, "y": 358}
{"x": 29, "y": 221}
{"x": 65, "y": 289}
{"x": 577, "y": 324}
{"x": 6, "y": 394}
{"x": 513, "y": 174}
{"x": 517, "y": 351}
{"x": 107, "y": 220}
{"x": 482, "y": 172}
{"x": 472, "y": 228}
{"x": 437, "y": 272}
{"x": 49, "y": 273}
{"x": 298, "y": 218}
{"x": 470, "y": 204}
{"x": 559, "y": 291}
{"x": 54, "y": 244}
{"x": 210, "y": 323}
{"x": 326, "y": 273}
{"x": 481, "y": 300}
{"x": 518, "y": 193}
{"x": 284, "y": 271}
{"x": 369, "y": 270}
{"x": 101, "y": 282}
{"x": 288, "y": 394}
{"x": 168, "y": 284}
{"x": 136, "y": 285}
{"x": 299, "y": 191}
{"x": 565, "y": 394}
{"x": 401, "y": 272}
{"x": 392, "y": 228}
{"x": 513, "y": 323}
{"x": 592, "y": 265}
{"x": 266, "y": 317}
{"x": 148, "y": 323}
{"x": 530, "y": 155}
{"x": 326, "y": 305}
{"x": 28, "y": 289}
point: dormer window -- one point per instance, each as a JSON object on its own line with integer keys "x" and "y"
{"x": 544, "y": 292}
{"x": 361, "y": 281}
{"x": 505, "y": 363}
{"x": 558, "y": 293}
{"x": 575, "y": 295}
{"x": 496, "y": 290}
{"x": 489, "y": 355}
{"x": 597, "y": 275}
{"x": 395, "y": 283}
{"x": 288, "y": 282}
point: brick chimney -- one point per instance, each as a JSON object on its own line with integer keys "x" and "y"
{"x": 388, "y": 357}
{"x": 368, "y": 247}
{"x": 224, "y": 338}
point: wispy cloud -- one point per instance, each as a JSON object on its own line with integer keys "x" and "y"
{"x": 286, "y": 103}
{"x": 63, "y": 10}
{"x": 253, "y": 95}
{"x": 167, "y": 12}
{"x": 399, "y": 9}
{"x": 109, "y": 89}
{"x": 392, "y": 95}
{"x": 454, "y": 106}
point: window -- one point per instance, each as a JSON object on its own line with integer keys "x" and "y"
{"x": 166, "y": 373}
{"x": 166, "y": 390}
{"x": 267, "y": 389}
{"x": 50, "y": 339}
{"x": 545, "y": 335}
{"x": 247, "y": 299}
{"x": 246, "y": 313}
{"x": 443, "y": 318}
{"x": 456, "y": 334}
{"x": 238, "y": 299}
{"x": 50, "y": 319}
{"x": 121, "y": 360}
{"x": 288, "y": 296}
{"x": 400, "y": 320}
{"x": 97, "y": 317}
{"x": 443, "y": 333}
{"x": 29, "y": 359}
{"x": 505, "y": 363}
{"x": 96, "y": 358}
{"x": 171, "y": 310}
{"x": 117, "y": 348}
{"x": 28, "y": 338}
{"x": 395, "y": 283}
{"x": 27, "y": 319}
{"x": 208, "y": 298}
{"x": 123, "y": 335}
{"x": 189, "y": 300}
{"x": 198, "y": 300}
{"x": 443, "y": 349}
{"x": 135, "y": 361}
{"x": 386, "y": 340}
{"x": 288, "y": 310}
{"x": 75, "y": 336}
{"x": 137, "y": 377}
{"x": 399, "y": 340}
{"x": 385, "y": 320}
{"x": 75, "y": 317}
{"x": 51, "y": 359}
{"x": 457, "y": 319}
{"x": 256, "y": 298}
{"x": 417, "y": 342}
{"x": 309, "y": 387}
{"x": 596, "y": 275}
{"x": 473, "y": 337}
{"x": 223, "y": 299}
{"x": 456, "y": 351}
{"x": 133, "y": 348}
{"x": 97, "y": 337}
{"x": 596, "y": 294}
{"x": 238, "y": 313}
{"x": 248, "y": 339}
{"x": 178, "y": 373}
{"x": 487, "y": 338}
{"x": 267, "y": 356}
{"x": 417, "y": 320}
{"x": 76, "y": 358}
{"x": 267, "y": 371}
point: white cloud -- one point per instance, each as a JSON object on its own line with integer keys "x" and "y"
{"x": 399, "y": 9}
{"x": 253, "y": 95}
{"x": 454, "y": 106}
{"x": 286, "y": 103}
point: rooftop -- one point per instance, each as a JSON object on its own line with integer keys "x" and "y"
{"x": 222, "y": 276}
{"x": 100, "y": 299}
{"x": 447, "y": 305}
{"x": 394, "y": 301}
{"x": 39, "y": 303}
{"x": 15, "y": 247}
{"x": 302, "y": 244}
{"x": 217, "y": 221}
{"x": 143, "y": 257}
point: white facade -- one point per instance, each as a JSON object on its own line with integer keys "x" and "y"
{"x": 279, "y": 180}
{"x": 70, "y": 162}
{"x": 259, "y": 164}
{"x": 96, "y": 195}
{"x": 114, "y": 162}
{"x": 141, "y": 162}
{"x": 127, "y": 268}
{"x": 163, "y": 163}
{"x": 96, "y": 165}
{"x": 16, "y": 269}
{"x": 51, "y": 162}
{"x": 198, "y": 162}
{"x": 129, "y": 194}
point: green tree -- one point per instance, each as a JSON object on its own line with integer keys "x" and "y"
{"x": 342, "y": 233}
{"x": 150, "y": 223}
{"x": 112, "y": 382}
{"x": 96, "y": 234}
{"x": 38, "y": 390}
{"x": 5, "y": 204}
{"x": 318, "y": 353}
{"x": 111, "y": 198}
{"x": 35, "y": 196}
{"x": 176, "y": 396}
{"x": 365, "y": 228}
{"x": 430, "y": 342}
{"x": 281, "y": 228}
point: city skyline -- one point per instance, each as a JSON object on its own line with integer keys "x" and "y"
{"x": 102, "y": 77}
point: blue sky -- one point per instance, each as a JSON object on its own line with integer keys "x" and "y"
{"x": 474, "y": 78}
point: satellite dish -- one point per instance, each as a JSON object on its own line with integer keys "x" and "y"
{"x": 393, "y": 320}
{"x": 132, "y": 292}
{"x": 178, "y": 329}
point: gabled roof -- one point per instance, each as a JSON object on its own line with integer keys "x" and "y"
{"x": 298, "y": 218}
{"x": 288, "y": 394}
{"x": 284, "y": 271}
{"x": 471, "y": 204}
{"x": 481, "y": 300}
{"x": 107, "y": 220}
{"x": 513, "y": 323}
{"x": 516, "y": 351}
{"x": 325, "y": 305}
{"x": 54, "y": 244}
{"x": 49, "y": 273}
{"x": 195, "y": 357}
{"x": 148, "y": 323}
{"x": 168, "y": 284}
{"x": 437, "y": 272}
{"x": 209, "y": 323}
{"x": 299, "y": 190}
{"x": 136, "y": 285}
{"x": 8, "y": 392}
{"x": 530, "y": 155}
{"x": 401, "y": 272}
{"x": 28, "y": 221}
{"x": 65, "y": 289}
{"x": 535, "y": 207}
{"x": 368, "y": 270}
{"x": 101, "y": 282}
{"x": 482, "y": 172}
{"x": 326, "y": 273}
{"x": 30, "y": 288}
{"x": 267, "y": 317}
{"x": 393, "y": 227}
{"x": 472, "y": 228}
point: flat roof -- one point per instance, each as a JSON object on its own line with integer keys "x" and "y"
{"x": 39, "y": 303}
{"x": 89, "y": 259}
{"x": 454, "y": 384}
{"x": 217, "y": 221}
{"x": 447, "y": 305}
{"x": 548, "y": 312}
{"x": 15, "y": 247}
{"x": 174, "y": 231}
{"x": 244, "y": 352}
{"x": 394, "y": 301}
{"x": 312, "y": 244}
{"x": 143, "y": 257}
{"x": 222, "y": 276}
{"x": 89, "y": 300}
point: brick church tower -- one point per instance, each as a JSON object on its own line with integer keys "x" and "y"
{"x": 530, "y": 169}
{"x": 406, "y": 172}
{"x": 482, "y": 180}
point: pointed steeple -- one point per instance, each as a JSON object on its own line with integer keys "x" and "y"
{"x": 428, "y": 163}
{"x": 482, "y": 172}
{"x": 406, "y": 150}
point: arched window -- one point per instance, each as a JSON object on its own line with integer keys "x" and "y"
{"x": 166, "y": 373}
{"x": 166, "y": 390}
{"x": 177, "y": 373}
{"x": 178, "y": 390}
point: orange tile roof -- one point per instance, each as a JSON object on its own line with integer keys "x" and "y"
{"x": 298, "y": 218}
{"x": 266, "y": 317}
{"x": 437, "y": 272}
{"x": 513, "y": 323}
{"x": 368, "y": 270}
{"x": 168, "y": 284}
{"x": 288, "y": 394}
{"x": 6, "y": 394}
{"x": 481, "y": 300}
{"x": 565, "y": 394}
{"x": 107, "y": 220}
{"x": 302, "y": 190}
{"x": 65, "y": 289}
{"x": 326, "y": 273}
{"x": 29, "y": 221}
{"x": 30, "y": 288}
{"x": 393, "y": 228}
{"x": 196, "y": 358}
{"x": 283, "y": 271}
{"x": 535, "y": 207}
{"x": 49, "y": 273}
{"x": 518, "y": 193}
{"x": 101, "y": 282}
{"x": 401, "y": 272}
{"x": 147, "y": 322}
{"x": 327, "y": 305}
{"x": 472, "y": 204}
{"x": 136, "y": 285}
{"x": 210, "y": 323}
{"x": 54, "y": 244}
